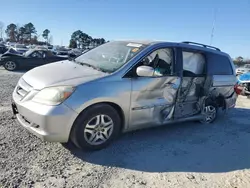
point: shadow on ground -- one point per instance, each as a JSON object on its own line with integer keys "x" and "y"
{"x": 188, "y": 147}
{"x": 17, "y": 71}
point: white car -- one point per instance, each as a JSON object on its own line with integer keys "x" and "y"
{"x": 20, "y": 48}
{"x": 243, "y": 69}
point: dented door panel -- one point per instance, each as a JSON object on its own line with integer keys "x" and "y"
{"x": 152, "y": 100}
{"x": 190, "y": 91}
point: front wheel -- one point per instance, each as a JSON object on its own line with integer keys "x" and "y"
{"x": 10, "y": 65}
{"x": 96, "y": 127}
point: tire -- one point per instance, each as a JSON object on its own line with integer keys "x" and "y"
{"x": 98, "y": 123}
{"x": 10, "y": 65}
{"x": 209, "y": 112}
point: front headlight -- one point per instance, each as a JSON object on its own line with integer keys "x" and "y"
{"x": 53, "y": 95}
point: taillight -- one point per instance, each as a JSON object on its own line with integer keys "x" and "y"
{"x": 238, "y": 89}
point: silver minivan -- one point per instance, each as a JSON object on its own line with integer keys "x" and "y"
{"x": 122, "y": 86}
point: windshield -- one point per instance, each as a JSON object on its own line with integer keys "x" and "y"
{"x": 20, "y": 46}
{"x": 110, "y": 56}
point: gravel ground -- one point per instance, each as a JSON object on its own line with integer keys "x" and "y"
{"x": 183, "y": 155}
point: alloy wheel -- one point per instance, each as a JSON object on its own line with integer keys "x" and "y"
{"x": 209, "y": 113}
{"x": 99, "y": 129}
{"x": 10, "y": 65}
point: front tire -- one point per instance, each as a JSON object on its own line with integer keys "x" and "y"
{"x": 96, "y": 127}
{"x": 10, "y": 65}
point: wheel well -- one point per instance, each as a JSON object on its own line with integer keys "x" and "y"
{"x": 220, "y": 101}
{"x": 115, "y": 106}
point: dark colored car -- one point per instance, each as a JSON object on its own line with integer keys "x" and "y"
{"x": 76, "y": 53}
{"x": 60, "y": 51}
{"x": 3, "y": 49}
{"x": 29, "y": 59}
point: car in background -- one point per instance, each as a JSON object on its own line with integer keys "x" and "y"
{"x": 75, "y": 53}
{"x": 30, "y": 59}
{"x": 60, "y": 51}
{"x": 50, "y": 47}
{"x": 20, "y": 48}
{"x": 10, "y": 44}
{"x": 3, "y": 49}
{"x": 40, "y": 47}
{"x": 243, "y": 69}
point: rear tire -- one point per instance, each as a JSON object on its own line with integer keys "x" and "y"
{"x": 10, "y": 65}
{"x": 96, "y": 127}
{"x": 209, "y": 113}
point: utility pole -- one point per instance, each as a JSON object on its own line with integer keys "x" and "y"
{"x": 212, "y": 33}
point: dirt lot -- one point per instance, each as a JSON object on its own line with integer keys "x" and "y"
{"x": 182, "y": 155}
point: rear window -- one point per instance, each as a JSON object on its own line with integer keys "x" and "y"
{"x": 218, "y": 65}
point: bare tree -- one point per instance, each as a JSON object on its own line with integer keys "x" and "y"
{"x": 1, "y": 29}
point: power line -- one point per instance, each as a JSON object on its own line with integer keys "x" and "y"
{"x": 212, "y": 33}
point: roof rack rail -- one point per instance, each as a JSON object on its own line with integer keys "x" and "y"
{"x": 204, "y": 45}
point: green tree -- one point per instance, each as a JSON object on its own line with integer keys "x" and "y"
{"x": 11, "y": 32}
{"x": 76, "y": 36}
{"x": 21, "y": 34}
{"x": 46, "y": 34}
{"x": 34, "y": 40}
{"x": 239, "y": 59}
{"x": 72, "y": 43}
{"x": 102, "y": 41}
{"x": 30, "y": 30}
{"x": 82, "y": 39}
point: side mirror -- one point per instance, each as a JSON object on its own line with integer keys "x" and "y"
{"x": 145, "y": 71}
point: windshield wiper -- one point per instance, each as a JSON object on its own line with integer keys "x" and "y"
{"x": 92, "y": 66}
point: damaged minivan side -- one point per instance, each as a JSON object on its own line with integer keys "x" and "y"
{"x": 121, "y": 86}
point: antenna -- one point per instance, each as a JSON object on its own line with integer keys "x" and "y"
{"x": 212, "y": 33}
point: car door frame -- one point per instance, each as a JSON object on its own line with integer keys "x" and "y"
{"x": 176, "y": 72}
{"x": 204, "y": 75}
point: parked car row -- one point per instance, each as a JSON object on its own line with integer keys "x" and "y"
{"x": 30, "y": 59}
{"x": 18, "y": 56}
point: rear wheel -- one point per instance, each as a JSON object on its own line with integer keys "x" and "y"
{"x": 10, "y": 65}
{"x": 96, "y": 127}
{"x": 209, "y": 113}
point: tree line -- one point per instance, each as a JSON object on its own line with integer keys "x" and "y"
{"x": 26, "y": 34}
{"x": 239, "y": 61}
{"x": 80, "y": 39}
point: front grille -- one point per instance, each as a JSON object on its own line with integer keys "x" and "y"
{"x": 23, "y": 88}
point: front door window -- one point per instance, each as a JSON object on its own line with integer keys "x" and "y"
{"x": 161, "y": 60}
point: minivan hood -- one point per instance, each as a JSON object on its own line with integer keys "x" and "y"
{"x": 60, "y": 73}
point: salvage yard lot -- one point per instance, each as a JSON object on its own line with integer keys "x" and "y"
{"x": 180, "y": 155}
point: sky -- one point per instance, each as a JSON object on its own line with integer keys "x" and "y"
{"x": 168, "y": 20}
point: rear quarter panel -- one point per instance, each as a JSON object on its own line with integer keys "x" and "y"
{"x": 224, "y": 85}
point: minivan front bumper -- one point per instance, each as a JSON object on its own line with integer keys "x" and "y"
{"x": 50, "y": 123}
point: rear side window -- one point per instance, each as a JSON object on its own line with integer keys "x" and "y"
{"x": 193, "y": 63}
{"x": 218, "y": 65}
